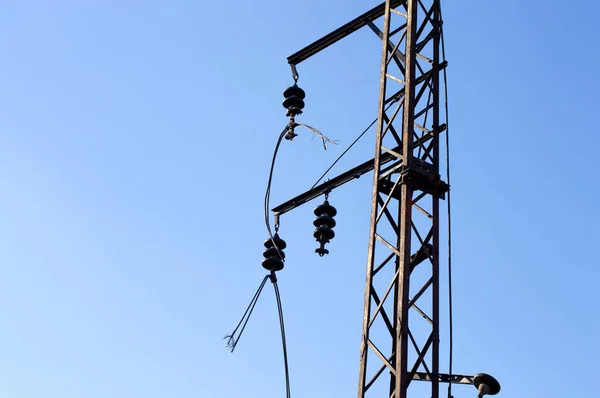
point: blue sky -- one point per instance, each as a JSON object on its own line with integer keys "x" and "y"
{"x": 135, "y": 144}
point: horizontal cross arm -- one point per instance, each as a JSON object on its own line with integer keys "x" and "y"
{"x": 333, "y": 183}
{"x": 340, "y": 33}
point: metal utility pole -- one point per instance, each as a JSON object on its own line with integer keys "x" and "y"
{"x": 401, "y": 331}
{"x": 411, "y": 184}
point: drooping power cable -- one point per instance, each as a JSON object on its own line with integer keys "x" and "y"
{"x": 268, "y": 192}
{"x": 234, "y": 337}
{"x": 288, "y": 132}
{"x": 288, "y": 392}
{"x": 289, "y": 128}
{"x": 450, "y": 331}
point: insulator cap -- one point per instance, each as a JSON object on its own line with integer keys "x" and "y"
{"x": 325, "y": 209}
{"x": 272, "y": 264}
{"x": 294, "y": 91}
{"x": 272, "y": 252}
{"x": 324, "y": 234}
{"x": 324, "y": 221}
{"x": 278, "y": 241}
{"x": 274, "y": 256}
{"x": 293, "y": 102}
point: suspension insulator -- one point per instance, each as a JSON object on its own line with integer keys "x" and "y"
{"x": 324, "y": 224}
{"x": 324, "y": 220}
{"x": 293, "y": 100}
{"x": 324, "y": 233}
{"x": 325, "y": 209}
{"x": 294, "y": 90}
{"x": 274, "y": 256}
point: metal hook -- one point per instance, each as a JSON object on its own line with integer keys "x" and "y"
{"x": 295, "y": 74}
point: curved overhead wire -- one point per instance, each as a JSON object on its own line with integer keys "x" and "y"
{"x": 268, "y": 192}
{"x": 349, "y": 147}
{"x": 450, "y": 321}
{"x": 232, "y": 340}
{"x": 288, "y": 392}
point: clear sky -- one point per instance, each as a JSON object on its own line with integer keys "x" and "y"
{"x": 135, "y": 141}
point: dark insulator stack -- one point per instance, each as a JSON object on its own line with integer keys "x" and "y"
{"x": 294, "y": 100}
{"x": 274, "y": 256}
{"x": 324, "y": 224}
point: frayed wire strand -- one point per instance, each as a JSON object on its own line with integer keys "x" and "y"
{"x": 321, "y": 135}
{"x": 231, "y": 339}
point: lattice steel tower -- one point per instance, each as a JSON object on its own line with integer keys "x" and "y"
{"x": 401, "y": 325}
{"x": 409, "y": 130}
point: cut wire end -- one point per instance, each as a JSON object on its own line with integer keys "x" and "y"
{"x": 234, "y": 337}
{"x": 231, "y": 342}
{"x": 318, "y": 133}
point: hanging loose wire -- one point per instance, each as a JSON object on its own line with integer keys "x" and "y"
{"x": 288, "y": 392}
{"x": 449, "y": 213}
{"x": 289, "y": 129}
{"x": 233, "y": 339}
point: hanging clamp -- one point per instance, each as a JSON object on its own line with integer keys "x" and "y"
{"x": 273, "y": 277}
{"x": 291, "y": 134}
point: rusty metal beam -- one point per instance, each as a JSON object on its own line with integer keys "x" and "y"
{"x": 331, "y": 184}
{"x": 340, "y": 33}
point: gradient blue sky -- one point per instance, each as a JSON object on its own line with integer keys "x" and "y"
{"x": 134, "y": 150}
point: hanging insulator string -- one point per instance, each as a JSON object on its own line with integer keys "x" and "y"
{"x": 232, "y": 339}
{"x": 324, "y": 224}
{"x": 288, "y": 392}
